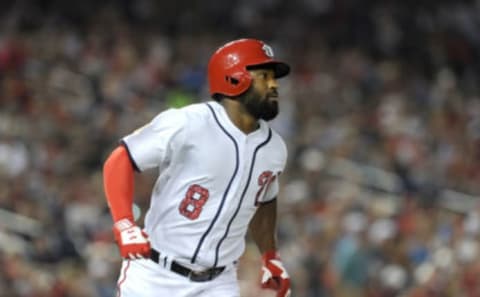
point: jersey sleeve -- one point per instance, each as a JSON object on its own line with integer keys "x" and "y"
{"x": 272, "y": 190}
{"x": 152, "y": 144}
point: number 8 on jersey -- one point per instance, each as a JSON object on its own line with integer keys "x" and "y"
{"x": 195, "y": 198}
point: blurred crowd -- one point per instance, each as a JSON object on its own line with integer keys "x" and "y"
{"x": 381, "y": 116}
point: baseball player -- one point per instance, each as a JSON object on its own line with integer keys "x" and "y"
{"x": 218, "y": 164}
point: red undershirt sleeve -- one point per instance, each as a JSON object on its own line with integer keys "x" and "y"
{"x": 118, "y": 181}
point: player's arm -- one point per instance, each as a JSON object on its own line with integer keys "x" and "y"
{"x": 143, "y": 149}
{"x": 118, "y": 181}
{"x": 263, "y": 231}
{"x": 263, "y": 226}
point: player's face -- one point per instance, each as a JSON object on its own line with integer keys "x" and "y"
{"x": 261, "y": 98}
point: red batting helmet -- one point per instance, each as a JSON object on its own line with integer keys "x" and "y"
{"x": 227, "y": 69}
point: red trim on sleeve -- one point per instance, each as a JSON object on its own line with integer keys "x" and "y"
{"x": 118, "y": 180}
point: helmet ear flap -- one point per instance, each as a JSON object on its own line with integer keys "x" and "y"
{"x": 238, "y": 81}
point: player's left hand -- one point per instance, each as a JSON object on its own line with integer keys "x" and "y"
{"x": 274, "y": 275}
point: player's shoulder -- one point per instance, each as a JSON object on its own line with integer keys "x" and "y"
{"x": 278, "y": 142}
{"x": 279, "y": 139}
{"x": 275, "y": 134}
{"x": 170, "y": 116}
{"x": 182, "y": 114}
{"x": 195, "y": 110}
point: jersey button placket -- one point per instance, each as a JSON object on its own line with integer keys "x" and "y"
{"x": 232, "y": 198}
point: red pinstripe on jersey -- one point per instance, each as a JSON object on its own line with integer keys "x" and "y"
{"x": 124, "y": 277}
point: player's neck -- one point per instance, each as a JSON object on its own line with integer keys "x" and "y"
{"x": 239, "y": 116}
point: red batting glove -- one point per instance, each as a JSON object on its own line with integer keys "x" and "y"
{"x": 131, "y": 240}
{"x": 274, "y": 275}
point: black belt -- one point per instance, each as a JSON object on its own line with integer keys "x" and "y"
{"x": 195, "y": 276}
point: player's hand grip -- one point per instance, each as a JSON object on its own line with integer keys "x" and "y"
{"x": 131, "y": 240}
{"x": 274, "y": 275}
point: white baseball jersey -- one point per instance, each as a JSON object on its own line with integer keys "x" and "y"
{"x": 212, "y": 176}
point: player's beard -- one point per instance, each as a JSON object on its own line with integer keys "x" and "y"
{"x": 260, "y": 107}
